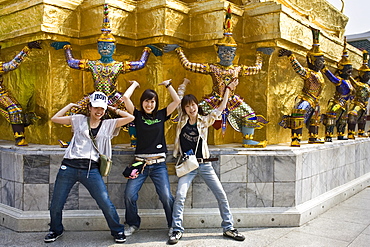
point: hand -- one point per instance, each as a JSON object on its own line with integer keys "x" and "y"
{"x": 232, "y": 85}
{"x": 59, "y": 45}
{"x": 284, "y": 52}
{"x": 134, "y": 83}
{"x": 171, "y": 47}
{"x": 186, "y": 81}
{"x": 156, "y": 50}
{"x": 266, "y": 50}
{"x": 166, "y": 83}
{"x": 34, "y": 44}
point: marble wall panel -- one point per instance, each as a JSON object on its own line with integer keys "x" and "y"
{"x": 316, "y": 162}
{"x": 236, "y": 194}
{"x": 331, "y": 158}
{"x": 324, "y": 160}
{"x": 306, "y": 165}
{"x": 323, "y": 184}
{"x": 233, "y": 168}
{"x": 116, "y": 193}
{"x": 35, "y": 197}
{"x": 260, "y": 194}
{"x": 189, "y": 195}
{"x": 1, "y": 166}
{"x": 72, "y": 199}
{"x": 298, "y": 192}
{"x": 260, "y": 169}
{"x": 36, "y": 169}
{"x": 306, "y": 189}
{"x": 148, "y": 198}
{"x": 316, "y": 186}
{"x": 203, "y": 196}
{"x": 7, "y": 192}
{"x": 284, "y": 169}
{"x": 85, "y": 200}
{"x": 120, "y": 162}
{"x": 12, "y": 166}
{"x": 18, "y": 195}
{"x": 284, "y": 194}
{"x": 55, "y": 163}
{"x": 299, "y": 166}
{"x": 350, "y": 152}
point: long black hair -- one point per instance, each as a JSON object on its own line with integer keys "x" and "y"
{"x": 149, "y": 94}
{"x": 187, "y": 100}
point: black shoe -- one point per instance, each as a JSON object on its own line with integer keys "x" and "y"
{"x": 175, "y": 237}
{"x": 120, "y": 238}
{"x": 51, "y": 237}
{"x": 342, "y": 138}
{"x": 234, "y": 234}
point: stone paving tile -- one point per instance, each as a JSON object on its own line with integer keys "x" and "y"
{"x": 295, "y": 239}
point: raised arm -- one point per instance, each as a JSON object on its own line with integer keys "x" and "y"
{"x": 127, "y": 96}
{"x": 19, "y": 58}
{"x": 252, "y": 70}
{"x": 331, "y": 76}
{"x": 60, "y": 117}
{"x": 136, "y": 65}
{"x": 176, "y": 99}
{"x": 193, "y": 67}
{"x": 125, "y": 116}
{"x": 72, "y": 62}
{"x": 298, "y": 68}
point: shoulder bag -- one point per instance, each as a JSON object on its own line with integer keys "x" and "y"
{"x": 190, "y": 163}
{"x": 105, "y": 163}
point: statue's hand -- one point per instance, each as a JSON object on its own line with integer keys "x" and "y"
{"x": 59, "y": 45}
{"x": 156, "y": 50}
{"x": 34, "y": 44}
{"x": 171, "y": 47}
{"x": 266, "y": 50}
{"x": 284, "y": 52}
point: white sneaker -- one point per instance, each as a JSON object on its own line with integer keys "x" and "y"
{"x": 130, "y": 230}
{"x": 170, "y": 231}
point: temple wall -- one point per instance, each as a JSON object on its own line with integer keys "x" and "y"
{"x": 44, "y": 83}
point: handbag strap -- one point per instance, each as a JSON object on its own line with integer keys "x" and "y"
{"x": 196, "y": 148}
{"x": 92, "y": 137}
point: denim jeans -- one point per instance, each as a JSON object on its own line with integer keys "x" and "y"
{"x": 66, "y": 178}
{"x": 206, "y": 171}
{"x": 159, "y": 175}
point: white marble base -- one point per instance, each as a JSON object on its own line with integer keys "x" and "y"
{"x": 275, "y": 186}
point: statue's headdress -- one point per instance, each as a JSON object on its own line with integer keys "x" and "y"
{"x": 106, "y": 34}
{"x": 365, "y": 59}
{"x": 315, "y": 50}
{"x": 228, "y": 39}
{"x": 345, "y": 59}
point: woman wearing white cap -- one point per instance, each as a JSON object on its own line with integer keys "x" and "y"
{"x": 80, "y": 162}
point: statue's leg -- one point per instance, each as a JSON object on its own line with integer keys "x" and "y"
{"x": 16, "y": 116}
{"x": 313, "y": 128}
{"x": 295, "y": 123}
{"x": 361, "y": 124}
{"x": 352, "y": 121}
{"x": 341, "y": 125}
{"x": 329, "y": 120}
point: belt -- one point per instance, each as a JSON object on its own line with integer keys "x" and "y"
{"x": 151, "y": 160}
{"x": 200, "y": 160}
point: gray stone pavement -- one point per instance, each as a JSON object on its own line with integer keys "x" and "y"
{"x": 347, "y": 224}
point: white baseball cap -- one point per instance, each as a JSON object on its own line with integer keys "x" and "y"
{"x": 99, "y": 99}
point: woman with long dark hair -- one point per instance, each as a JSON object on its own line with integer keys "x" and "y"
{"x": 150, "y": 148}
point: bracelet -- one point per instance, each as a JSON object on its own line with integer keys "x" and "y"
{"x": 169, "y": 84}
{"x": 229, "y": 88}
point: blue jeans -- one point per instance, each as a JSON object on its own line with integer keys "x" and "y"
{"x": 159, "y": 175}
{"x": 64, "y": 182}
{"x": 206, "y": 171}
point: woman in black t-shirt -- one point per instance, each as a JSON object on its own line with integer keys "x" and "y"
{"x": 150, "y": 146}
